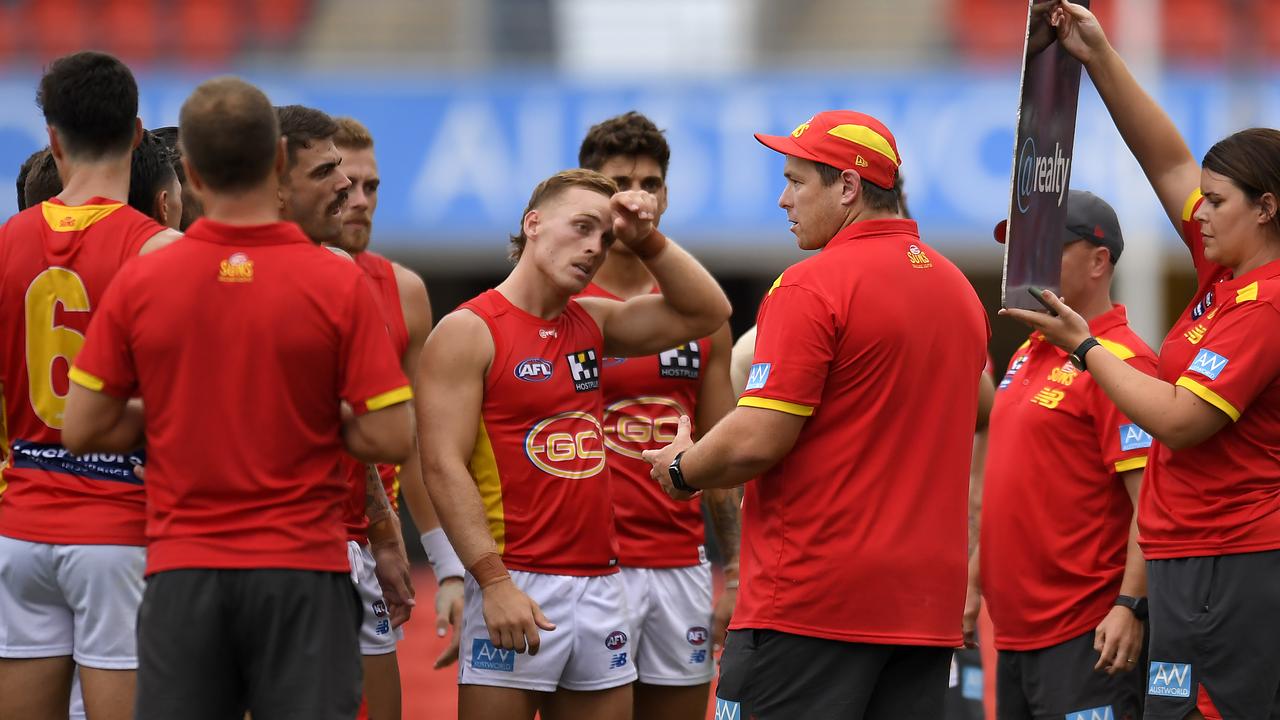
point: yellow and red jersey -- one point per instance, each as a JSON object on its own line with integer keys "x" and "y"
{"x": 386, "y": 291}
{"x": 241, "y": 341}
{"x": 1055, "y": 511}
{"x": 644, "y": 398}
{"x": 56, "y": 262}
{"x": 859, "y": 533}
{"x": 539, "y": 457}
{"x": 1221, "y": 496}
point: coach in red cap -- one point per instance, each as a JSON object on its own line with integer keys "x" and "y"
{"x": 858, "y": 417}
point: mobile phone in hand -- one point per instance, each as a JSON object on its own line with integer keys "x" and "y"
{"x": 1037, "y": 293}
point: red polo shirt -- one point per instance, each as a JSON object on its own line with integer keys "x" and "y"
{"x": 241, "y": 342}
{"x": 1222, "y": 496}
{"x": 859, "y": 533}
{"x": 1055, "y": 512}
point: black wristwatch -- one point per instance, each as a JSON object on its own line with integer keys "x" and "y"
{"x": 677, "y": 477}
{"x": 1138, "y": 605}
{"x": 1077, "y": 355}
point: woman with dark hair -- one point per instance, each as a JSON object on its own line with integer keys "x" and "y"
{"x": 1210, "y": 505}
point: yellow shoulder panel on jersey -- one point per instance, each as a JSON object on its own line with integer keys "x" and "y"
{"x": 1190, "y": 206}
{"x": 484, "y": 468}
{"x": 1025, "y": 344}
{"x": 775, "y": 284}
{"x": 1247, "y": 293}
{"x": 61, "y": 218}
{"x": 1120, "y": 351}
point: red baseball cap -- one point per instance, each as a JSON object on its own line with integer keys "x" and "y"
{"x": 846, "y": 140}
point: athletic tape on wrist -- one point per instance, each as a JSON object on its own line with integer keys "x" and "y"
{"x": 488, "y": 570}
{"x": 444, "y": 561}
{"x": 651, "y": 246}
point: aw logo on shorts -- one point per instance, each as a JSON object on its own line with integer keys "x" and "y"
{"x": 1098, "y": 713}
{"x": 697, "y": 635}
{"x": 680, "y": 362}
{"x": 616, "y": 640}
{"x": 484, "y": 656}
{"x": 569, "y": 445}
{"x": 534, "y": 370}
{"x": 758, "y": 376}
{"x": 634, "y": 425}
{"x": 728, "y": 709}
{"x": 1169, "y": 679}
{"x": 1133, "y": 437}
{"x": 585, "y": 370}
{"x": 1209, "y": 364}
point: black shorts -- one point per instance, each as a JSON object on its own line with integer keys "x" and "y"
{"x": 773, "y": 675}
{"x": 1059, "y": 681}
{"x": 966, "y": 686}
{"x": 278, "y": 643}
{"x": 1214, "y": 623}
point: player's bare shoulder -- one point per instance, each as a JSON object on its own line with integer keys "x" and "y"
{"x": 460, "y": 339}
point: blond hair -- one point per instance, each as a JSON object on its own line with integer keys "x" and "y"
{"x": 552, "y": 188}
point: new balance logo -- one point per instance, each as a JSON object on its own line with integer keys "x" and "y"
{"x": 680, "y": 362}
{"x": 1208, "y": 364}
{"x": 617, "y": 661}
{"x": 1133, "y": 437}
{"x": 584, "y": 368}
{"x": 1169, "y": 679}
{"x": 1099, "y": 713}
{"x": 728, "y": 709}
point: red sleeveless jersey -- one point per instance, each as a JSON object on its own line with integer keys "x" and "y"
{"x": 55, "y": 263}
{"x": 539, "y": 458}
{"x": 644, "y": 398}
{"x": 386, "y": 291}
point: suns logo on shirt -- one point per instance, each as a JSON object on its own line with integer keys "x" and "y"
{"x": 917, "y": 257}
{"x": 1064, "y": 375}
{"x": 236, "y": 269}
{"x": 584, "y": 369}
{"x": 680, "y": 362}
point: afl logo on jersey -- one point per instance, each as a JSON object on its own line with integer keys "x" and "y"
{"x": 634, "y": 425}
{"x": 569, "y": 445}
{"x": 534, "y": 370}
{"x": 616, "y": 640}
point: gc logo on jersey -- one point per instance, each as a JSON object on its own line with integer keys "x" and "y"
{"x": 1209, "y": 364}
{"x": 569, "y": 445}
{"x": 534, "y": 370}
{"x": 758, "y": 376}
{"x": 1133, "y": 437}
{"x": 1169, "y": 679}
{"x": 1204, "y": 304}
{"x": 634, "y": 425}
{"x": 585, "y": 370}
{"x": 680, "y": 362}
{"x": 1013, "y": 370}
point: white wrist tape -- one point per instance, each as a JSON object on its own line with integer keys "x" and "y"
{"x": 444, "y": 561}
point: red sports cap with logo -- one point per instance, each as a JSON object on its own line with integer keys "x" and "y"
{"x": 845, "y": 140}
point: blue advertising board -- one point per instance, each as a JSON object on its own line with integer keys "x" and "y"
{"x": 459, "y": 154}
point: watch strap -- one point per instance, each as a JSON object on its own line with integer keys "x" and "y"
{"x": 1077, "y": 355}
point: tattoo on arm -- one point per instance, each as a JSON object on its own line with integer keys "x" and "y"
{"x": 376, "y": 505}
{"x": 724, "y": 519}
